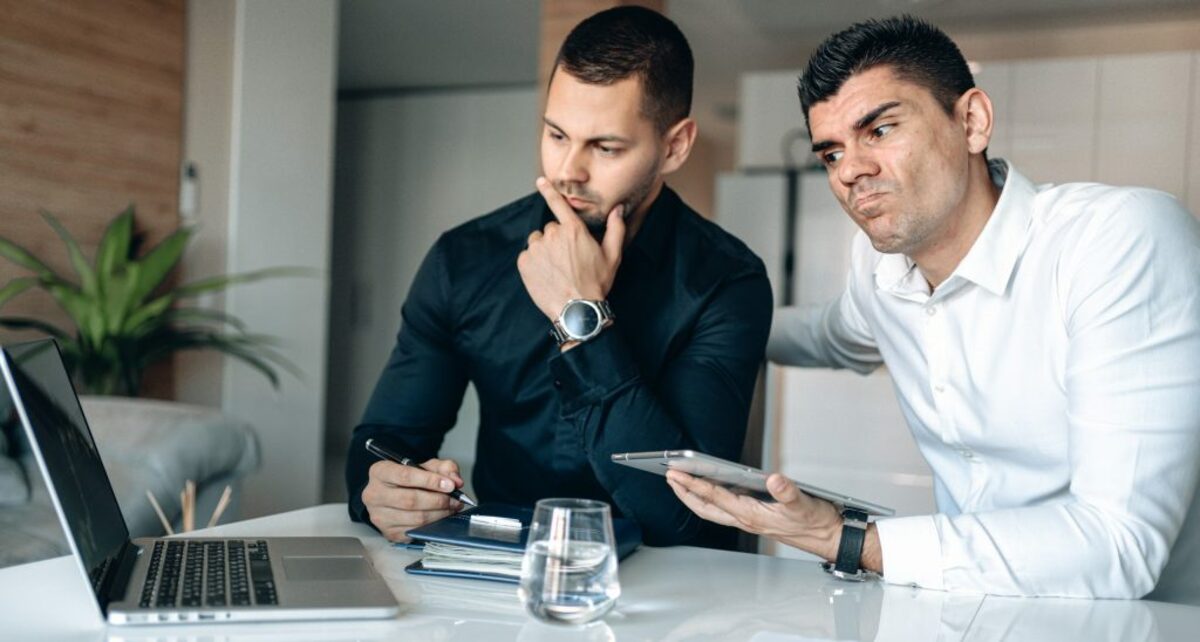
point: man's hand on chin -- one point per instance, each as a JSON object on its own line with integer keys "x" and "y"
{"x": 563, "y": 261}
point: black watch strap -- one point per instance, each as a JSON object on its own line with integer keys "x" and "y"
{"x": 854, "y": 533}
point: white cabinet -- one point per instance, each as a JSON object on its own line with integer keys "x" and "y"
{"x": 770, "y": 116}
{"x": 1053, "y": 119}
{"x": 1143, "y": 116}
{"x": 752, "y": 208}
{"x": 1193, "y": 164}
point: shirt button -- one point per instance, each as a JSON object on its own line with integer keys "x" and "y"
{"x": 557, "y": 384}
{"x": 939, "y": 388}
{"x": 966, "y": 453}
{"x": 931, "y": 310}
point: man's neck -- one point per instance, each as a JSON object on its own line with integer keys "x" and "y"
{"x": 634, "y": 222}
{"x": 938, "y": 261}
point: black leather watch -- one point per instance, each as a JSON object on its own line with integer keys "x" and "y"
{"x": 581, "y": 320}
{"x": 848, "y": 565}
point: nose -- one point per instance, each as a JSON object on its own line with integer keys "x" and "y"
{"x": 855, "y": 165}
{"x": 573, "y": 167}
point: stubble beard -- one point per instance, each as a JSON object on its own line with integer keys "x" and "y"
{"x": 597, "y": 221}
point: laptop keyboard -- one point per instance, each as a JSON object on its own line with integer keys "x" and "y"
{"x": 200, "y": 573}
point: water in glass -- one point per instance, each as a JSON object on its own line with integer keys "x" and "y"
{"x": 569, "y": 573}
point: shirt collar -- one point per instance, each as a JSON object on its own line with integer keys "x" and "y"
{"x": 990, "y": 261}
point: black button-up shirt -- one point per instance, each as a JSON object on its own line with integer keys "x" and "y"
{"x": 692, "y": 308}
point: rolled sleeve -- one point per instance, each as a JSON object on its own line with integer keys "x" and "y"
{"x": 591, "y": 371}
{"x": 912, "y": 551}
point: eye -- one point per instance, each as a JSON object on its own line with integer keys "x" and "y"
{"x": 830, "y": 158}
{"x": 605, "y": 150}
{"x": 881, "y": 131}
{"x": 554, "y": 135}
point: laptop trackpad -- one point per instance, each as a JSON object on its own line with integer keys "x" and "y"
{"x": 300, "y": 569}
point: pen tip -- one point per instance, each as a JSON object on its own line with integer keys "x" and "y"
{"x": 468, "y": 501}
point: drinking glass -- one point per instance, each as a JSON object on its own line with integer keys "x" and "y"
{"x": 569, "y": 572}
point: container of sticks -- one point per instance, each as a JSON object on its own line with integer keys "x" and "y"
{"x": 187, "y": 503}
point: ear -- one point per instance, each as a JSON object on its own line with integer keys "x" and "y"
{"x": 974, "y": 111}
{"x": 679, "y": 140}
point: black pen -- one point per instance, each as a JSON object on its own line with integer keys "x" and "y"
{"x": 383, "y": 453}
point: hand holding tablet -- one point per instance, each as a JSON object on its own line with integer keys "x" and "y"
{"x": 734, "y": 476}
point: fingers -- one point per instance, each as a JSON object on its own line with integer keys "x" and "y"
{"x": 398, "y": 476}
{"x": 782, "y": 489}
{"x": 559, "y": 206}
{"x": 686, "y": 487}
{"x": 614, "y": 234}
{"x": 444, "y": 467}
{"x": 395, "y": 524}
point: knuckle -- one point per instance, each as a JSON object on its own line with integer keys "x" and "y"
{"x": 407, "y": 501}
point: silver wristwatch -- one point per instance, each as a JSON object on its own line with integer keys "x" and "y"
{"x": 581, "y": 320}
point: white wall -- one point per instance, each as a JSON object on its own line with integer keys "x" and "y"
{"x": 409, "y": 167}
{"x": 208, "y": 112}
{"x": 279, "y": 214}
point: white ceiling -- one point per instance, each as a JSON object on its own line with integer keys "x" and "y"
{"x": 388, "y": 45}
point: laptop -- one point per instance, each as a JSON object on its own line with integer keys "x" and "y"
{"x": 154, "y": 580}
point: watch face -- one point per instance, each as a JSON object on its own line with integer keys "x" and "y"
{"x": 580, "y": 319}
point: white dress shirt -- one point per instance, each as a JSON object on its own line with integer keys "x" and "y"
{"x": 1052, "y": 383}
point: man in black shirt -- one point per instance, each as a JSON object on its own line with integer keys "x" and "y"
{"x": 596, "y": 316}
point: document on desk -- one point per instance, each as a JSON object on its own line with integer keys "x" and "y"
{"x": 488, "y": 543}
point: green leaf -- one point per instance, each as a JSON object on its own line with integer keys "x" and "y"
{"x": 23, "y": 258}
{"x": 87, "y": 276}
{"x": 158, "y": 262}
{"x": 15, "y": 287}
{"x": 113, "y": 253}
{"x": 24, "y": 323}
{"x": 202, "y": 314}
{"x": 216, "y": 283}
{"x": 83, "y": 311}
{"x": 192, "y": 339}
{"x": 151, "y": 310}
{"x": 119, "y": 300}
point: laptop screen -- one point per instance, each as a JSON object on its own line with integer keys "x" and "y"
{"x": 72, "y": 463}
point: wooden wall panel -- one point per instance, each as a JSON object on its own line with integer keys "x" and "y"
{"x": 91, "y": 96}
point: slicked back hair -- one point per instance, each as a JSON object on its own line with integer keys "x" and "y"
{"x": 915, "y": 50}
{"x": 621, "y": 42}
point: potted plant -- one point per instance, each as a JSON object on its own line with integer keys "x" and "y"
{"x": 127, "y": 316}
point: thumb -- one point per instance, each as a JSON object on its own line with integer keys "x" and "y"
{"x": 782, "y": 489}
{"x": 614, "y": 233}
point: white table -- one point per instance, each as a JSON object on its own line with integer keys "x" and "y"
{"x": 677, "y": 593}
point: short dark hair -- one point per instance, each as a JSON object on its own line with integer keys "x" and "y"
{"x": 915, "y": 50}
{"x": 624, "y": 41}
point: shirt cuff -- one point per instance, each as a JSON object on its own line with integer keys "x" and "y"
{"x": 912, "y": 551}
{"x": 592, "y": 370}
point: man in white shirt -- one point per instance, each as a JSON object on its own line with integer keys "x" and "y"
{"x": 1044, "y": 342}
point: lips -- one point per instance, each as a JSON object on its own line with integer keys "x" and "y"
{"x": 867, "y": 201}
{"x": 577, "y": 203}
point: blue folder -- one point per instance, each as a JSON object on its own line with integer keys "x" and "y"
{"x": 458, "y": 530}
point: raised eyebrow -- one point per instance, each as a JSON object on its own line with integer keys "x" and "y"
{"x": 872, "y": 115}
{"x": 817, "y": 148}
{"x": 859, "y": 124}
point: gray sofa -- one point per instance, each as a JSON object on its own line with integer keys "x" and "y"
{"x": 145, "y": 445}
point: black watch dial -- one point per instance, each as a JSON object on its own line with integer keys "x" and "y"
{"x": 580, "y": 319}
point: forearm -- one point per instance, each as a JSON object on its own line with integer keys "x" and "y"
{"x": 830, "y": 335}
{"x": 633, "y": 416}
{"x": 1066, "y": 550}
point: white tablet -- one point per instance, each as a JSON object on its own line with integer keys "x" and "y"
{"x": 734, "y": 476}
